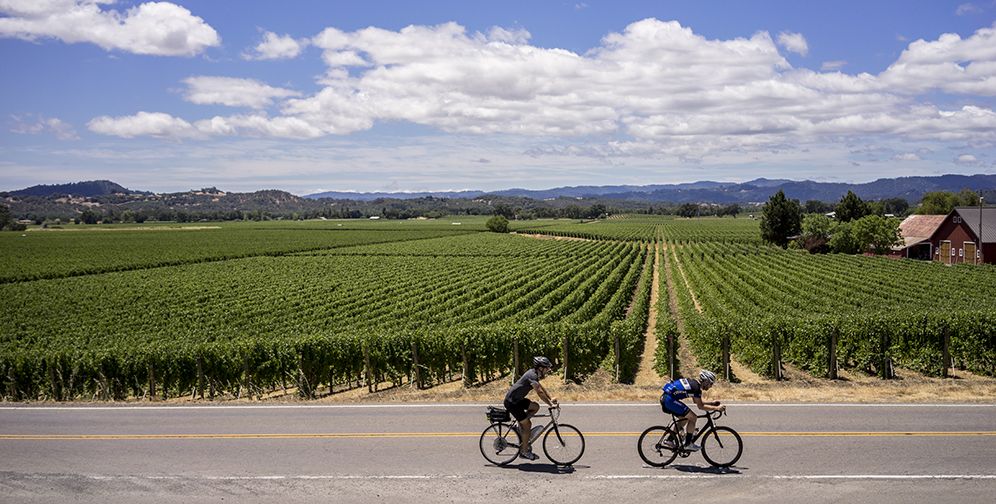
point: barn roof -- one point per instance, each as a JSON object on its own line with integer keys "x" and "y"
{"x": 971, "y": 217}
{"x": 917, "y": 228}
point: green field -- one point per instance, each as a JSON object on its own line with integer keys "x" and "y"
{"x": 242, "y": 309}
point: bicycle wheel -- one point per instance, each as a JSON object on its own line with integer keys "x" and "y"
{"x": 652, "y": 446}
{"x": 563, "y": 445}
{"x": 500, "y": 444}
{"x": 722, "y": 446}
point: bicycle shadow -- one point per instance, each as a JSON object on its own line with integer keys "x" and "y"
{"x": 545, "y": 468}
{"x": 705, "y": 470}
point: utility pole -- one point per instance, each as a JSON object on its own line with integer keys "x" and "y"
{"x": 978, "y": 247}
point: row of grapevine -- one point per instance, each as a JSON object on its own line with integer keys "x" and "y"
{"x": 824, "y": 312}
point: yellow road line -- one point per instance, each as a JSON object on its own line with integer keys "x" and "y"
{"x": 388, "y": 435}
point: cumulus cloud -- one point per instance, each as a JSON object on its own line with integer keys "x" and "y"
{"x": 156, "y": 28}
{"x": 793, "y": 42}
{"x": 233, "y": 92}
{"x": 154, "y": 124}
{"x": 36, "y": 124}
{"x": 657, "y": 88}
{"x": 276, "y": 46}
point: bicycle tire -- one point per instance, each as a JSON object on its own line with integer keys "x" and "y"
{"x": 711, "y": 441}
{"x": 655, "y": 436}
{"x": 495, "y": 445}
{"x": 563, "y": 445}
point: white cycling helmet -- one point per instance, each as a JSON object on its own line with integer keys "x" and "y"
{"x": 707, "y": 377}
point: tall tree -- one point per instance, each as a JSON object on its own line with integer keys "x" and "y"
{"x": 943, "y": 202}
{"x": 851, "y": 207}
{"x": 780, "y": 219}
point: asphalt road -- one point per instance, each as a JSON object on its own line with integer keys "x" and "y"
{"x": 429, "y": 453}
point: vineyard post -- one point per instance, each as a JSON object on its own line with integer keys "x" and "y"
{"x": 776, "y": 358}
{"x": 418, "y": 372}
{"x": 566, "y": 353}
{"x": 671, "y": 353}
{"x": 886, "y": 372}
{"x": 726, "y": 357}
{"x": 246, "y": 376}
{"x": 515, "y": 360}
{"x": 946, "y": 352}
{"x": 832, "y": 354}
{"x": 56, "y": 384}
{"x": 152, "y": 383}
{"x": 467, "y": 380}
{"x": 617, "y": 348}
{"x": 200, "y": 377}
{"x": 367, "y": 371}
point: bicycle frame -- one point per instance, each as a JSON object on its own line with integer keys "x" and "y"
{"x": 552, "y": 424}
{"x": 701, "y": 432}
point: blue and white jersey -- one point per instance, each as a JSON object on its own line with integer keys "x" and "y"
{"x": 683, "y": 388}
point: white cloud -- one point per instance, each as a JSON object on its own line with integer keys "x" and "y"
{"x": 276, "y": 46}
{"x": 154, "y": 124}
{"x": 966, "y": 159}
{"x": 233, "y": 92}
{"x": 157, "y": 28}
{"x": 33, "y": 125}
{"x": 793, "y": 42}
{"x": 907, "y": 156}
{"x": 833, "y": 65}
{"x": 657, "y": 89}
{"x": 967, "y": 8}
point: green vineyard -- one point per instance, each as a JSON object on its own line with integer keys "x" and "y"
{"x": 247, "y": 309}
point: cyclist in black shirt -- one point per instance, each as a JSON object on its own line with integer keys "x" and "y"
{"x": 523, "y": 409}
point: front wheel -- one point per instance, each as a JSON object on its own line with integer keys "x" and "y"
{"x": 657, "y": 446}
{"x": 722, "y": 446}
{"x": 500, "y": 444}
{"x": 563, "y": 444}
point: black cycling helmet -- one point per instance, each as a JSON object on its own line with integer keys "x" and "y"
{"x": 540, "y": 361}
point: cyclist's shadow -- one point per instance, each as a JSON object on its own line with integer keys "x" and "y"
{"x": 545, "y": 468}
{"x": 705, "y": 470}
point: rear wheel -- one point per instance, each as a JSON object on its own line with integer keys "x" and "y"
{"x": 722, "y": 446}
{"x": 500, "y": 444}
{"x": 652, "y": 446}
{"x": 563, "y": 445}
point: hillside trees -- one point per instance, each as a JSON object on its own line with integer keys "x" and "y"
{"x": 943, "y": 202}
{"x": 781, "y": 218}
{"x": 851, "y": 207}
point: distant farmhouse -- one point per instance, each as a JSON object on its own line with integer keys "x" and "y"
{"x": 952, "y": 238}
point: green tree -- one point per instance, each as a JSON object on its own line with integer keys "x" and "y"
{"x": 497, "y": 224}
{"x": 89, "y": 216}
{"x": 851, "y": 207}
{"x": 843, "y": 240}
{"x": 688, "y": 210}
{"x": 943, "y": 202}
{"x": 732, "y": 209}
{"x": 877, "y": 233}
{"x": 780, "y": 219}
{"x": 817, "y": 206}
{"x": 895, "y": 206}
{"x": 816, "y": 232}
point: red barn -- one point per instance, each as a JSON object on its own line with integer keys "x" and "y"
{"x": 956, "y": 240}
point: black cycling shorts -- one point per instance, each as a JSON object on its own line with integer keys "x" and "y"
{"x": 519, "y": 408}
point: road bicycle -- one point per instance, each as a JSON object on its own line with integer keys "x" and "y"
{"x": 563, "y": 444}
{"x": 721, "y": 446}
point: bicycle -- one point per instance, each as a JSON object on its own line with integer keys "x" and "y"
{"x": 721, "y": 446}
{"x": 563, "y": 444}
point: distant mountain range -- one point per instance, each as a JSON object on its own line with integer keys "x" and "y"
{"x": 754, "y": 191}
{"x": 758, "y": 190}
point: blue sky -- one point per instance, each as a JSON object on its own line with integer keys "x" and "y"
{"x": 308, "y": 96}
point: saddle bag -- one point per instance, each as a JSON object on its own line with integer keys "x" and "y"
{"x": 496, "y": 414}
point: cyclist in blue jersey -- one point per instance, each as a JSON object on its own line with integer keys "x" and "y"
{"x": 684, "y": 388}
